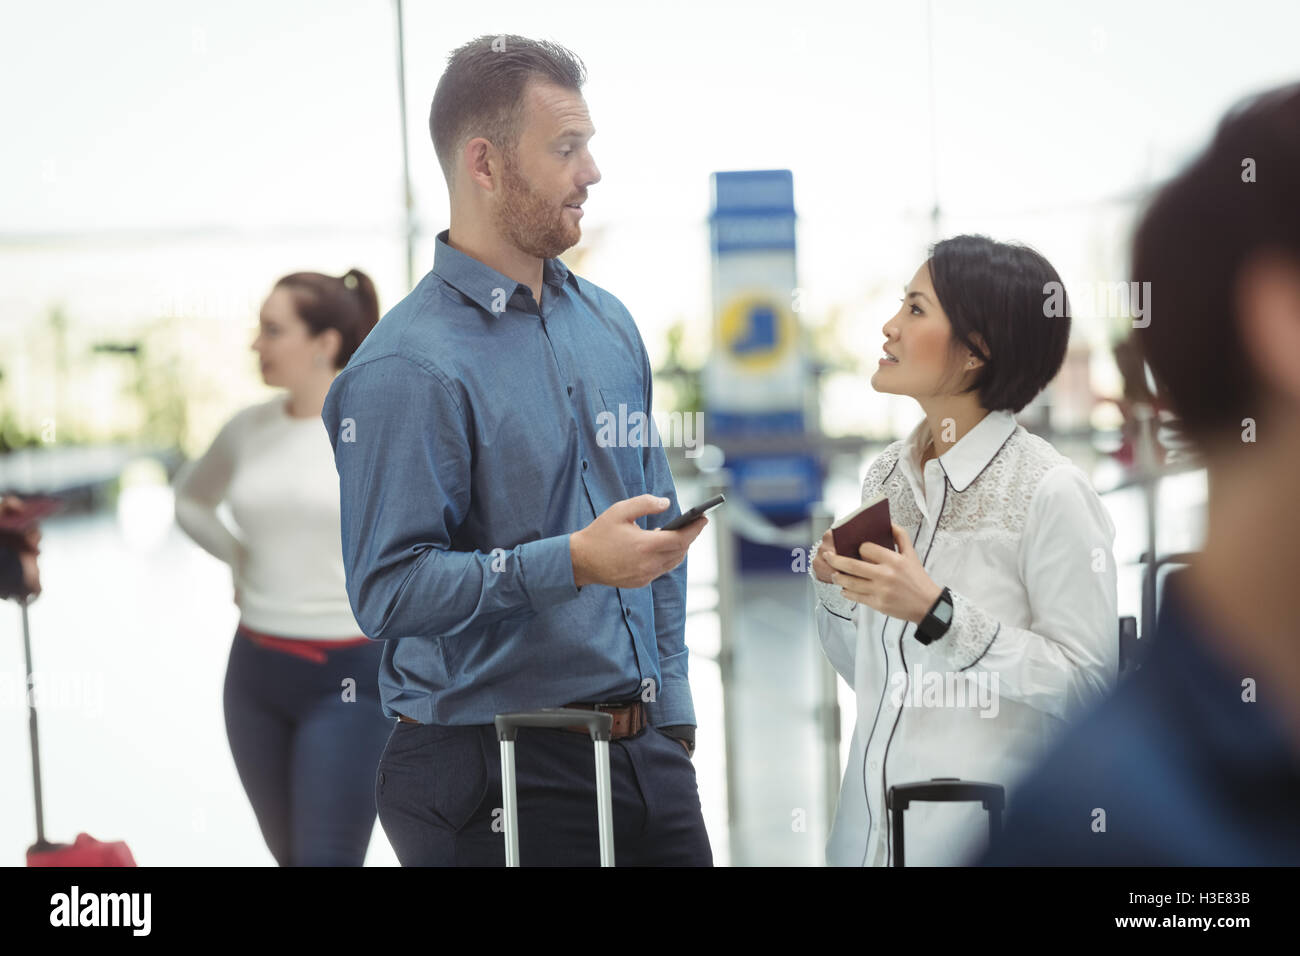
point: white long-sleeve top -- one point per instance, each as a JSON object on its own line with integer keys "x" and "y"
{"x": 1017, "y": 534}
{"x": 277, "y": 474}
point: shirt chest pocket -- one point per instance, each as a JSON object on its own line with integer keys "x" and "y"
{"x": 624, "y": 430}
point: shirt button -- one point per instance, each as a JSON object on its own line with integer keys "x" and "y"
{"x": 570, "y": 389}
{"x": 627, "y": 611}
{"x": 584, "y": 464}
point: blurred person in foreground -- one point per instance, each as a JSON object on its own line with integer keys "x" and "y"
{"x": 995, "y": 622}
{"x": 1196, "y": 760}
{"x": 301, "y": 698}
{"x": 504, "y": 551}
{"x": 20, "y": 578}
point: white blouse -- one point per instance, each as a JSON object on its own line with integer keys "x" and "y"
{"x": 1017, "y": 534}
{"x": 277, "y": 474}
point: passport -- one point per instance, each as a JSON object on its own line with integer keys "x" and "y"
{"x": 870, "y": 522}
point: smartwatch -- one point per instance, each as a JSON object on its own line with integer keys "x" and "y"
{"x": 935, "y": 623}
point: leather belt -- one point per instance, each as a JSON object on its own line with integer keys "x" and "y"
{"x": 629, "y": 717}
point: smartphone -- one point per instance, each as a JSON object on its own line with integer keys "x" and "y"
{"x": 699, "y": 511}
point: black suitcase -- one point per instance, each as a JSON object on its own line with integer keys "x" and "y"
{"x": 599, "y": 725}
{"x": 943, "y": 790}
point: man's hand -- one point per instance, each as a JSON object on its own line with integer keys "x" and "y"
{"x": 615, "y": 551}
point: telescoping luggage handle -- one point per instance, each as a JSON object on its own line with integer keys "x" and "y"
{"x": 599, "y": 725}
{"x": 41, "y": 844}
{"x": 944, "y": 790}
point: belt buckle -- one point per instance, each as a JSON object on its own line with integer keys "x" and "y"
{"x": 633, "y": 710}
{"x": 611, "y": 708}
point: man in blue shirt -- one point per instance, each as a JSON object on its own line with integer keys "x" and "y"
{"x": 1196, "y": 759}
{"x": 507, "y": 552}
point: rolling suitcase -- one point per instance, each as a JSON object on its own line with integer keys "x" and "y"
{"x": 598, "y": 725}
{"x": 86, "y": 851}
{"x": 944, "y": 790}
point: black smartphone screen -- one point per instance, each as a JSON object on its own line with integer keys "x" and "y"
{"x": 682, "y": 520}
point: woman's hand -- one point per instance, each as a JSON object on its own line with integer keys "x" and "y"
{"x": 821, "y": 567}
{"x": 891, "y": 582}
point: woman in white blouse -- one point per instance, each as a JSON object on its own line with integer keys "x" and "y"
{"x": 301, "y": 694}
{"x": 995, "y": 621}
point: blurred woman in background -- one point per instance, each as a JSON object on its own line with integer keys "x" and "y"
{"x": 301, "y": 693}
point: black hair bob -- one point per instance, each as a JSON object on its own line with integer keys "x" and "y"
{"x": 1014, "y": 300}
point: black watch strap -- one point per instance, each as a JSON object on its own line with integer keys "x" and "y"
{"x": 937, "y": 620}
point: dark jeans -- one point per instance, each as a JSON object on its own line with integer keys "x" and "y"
{"x": 439, "y": 796}
{"x": 305, "y": 755}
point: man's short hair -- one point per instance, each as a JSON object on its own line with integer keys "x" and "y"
{"x": 481, "y": 93}
{"x": 1239, "y": 197}
{"x": 1002, "y": 291}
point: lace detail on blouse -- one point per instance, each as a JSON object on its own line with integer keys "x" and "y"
{"x": 996, "y": 503}
{"x": 966, "y": 643}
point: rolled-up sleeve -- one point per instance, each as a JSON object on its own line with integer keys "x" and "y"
{"x": 1068, "y": 656}
{"x": 403, "y": 455}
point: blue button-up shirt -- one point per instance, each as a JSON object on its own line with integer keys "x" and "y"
{"x": 470, "y": 442}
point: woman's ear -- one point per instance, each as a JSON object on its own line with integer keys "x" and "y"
{"x": 333, "y": 341}
{"x": 973, "y": 360}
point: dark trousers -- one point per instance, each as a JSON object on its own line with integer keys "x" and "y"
{"x": 438, "y": 791}
{"x": 305, "y": 755}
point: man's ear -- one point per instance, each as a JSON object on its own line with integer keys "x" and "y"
{"x": 1268, "y": 319}
{"x": 482, "y": 162}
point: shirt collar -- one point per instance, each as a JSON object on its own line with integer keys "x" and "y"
{"x": 963, "y": 462}
{"x": 479, "y": 281}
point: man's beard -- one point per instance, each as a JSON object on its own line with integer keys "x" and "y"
{"x": 529, "y": 221}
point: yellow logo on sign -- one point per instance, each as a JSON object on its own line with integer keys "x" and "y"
{"x": 757, "y": 330}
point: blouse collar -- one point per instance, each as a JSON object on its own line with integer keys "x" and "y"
{"x": 964, "y": 461}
